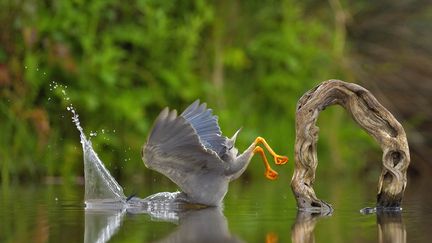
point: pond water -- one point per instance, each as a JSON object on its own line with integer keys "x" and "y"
{"x": 258, "y": 211}
{"x": 254, "y": 211}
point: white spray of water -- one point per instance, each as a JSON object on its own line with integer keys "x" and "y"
{"x": 100, "y": 186}
{"x": 101, "y": 189}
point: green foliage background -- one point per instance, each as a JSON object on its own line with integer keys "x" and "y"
{"x": 120, "y": 63}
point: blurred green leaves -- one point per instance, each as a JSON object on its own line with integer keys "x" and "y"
{"x": 121, "y": 63}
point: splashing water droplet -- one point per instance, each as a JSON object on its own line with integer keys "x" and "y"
{"x": 100, "y": 187}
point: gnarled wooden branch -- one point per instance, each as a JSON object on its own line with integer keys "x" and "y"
{"x": 372, "y": 117}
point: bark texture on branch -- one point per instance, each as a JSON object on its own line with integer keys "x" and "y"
{"x": 372, "y": 117}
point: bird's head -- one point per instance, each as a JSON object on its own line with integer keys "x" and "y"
{"x": 232, "y": 150}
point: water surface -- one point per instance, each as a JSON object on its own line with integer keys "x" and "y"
{"x": 256, "y": 211}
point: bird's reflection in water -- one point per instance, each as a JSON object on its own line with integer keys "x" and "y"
{"x": 391, "y": 227}
{"x": 202, "y": 225}
{"x": 194, "y": 225}
{"x": 304, "y": 226}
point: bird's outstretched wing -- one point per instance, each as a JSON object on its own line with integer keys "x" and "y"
{"x": 206, "y": 126}
{"x": 173, "y": 148}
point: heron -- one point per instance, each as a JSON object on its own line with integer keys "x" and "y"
{"x": 191, "y": 151}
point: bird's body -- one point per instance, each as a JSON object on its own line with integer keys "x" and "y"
{"x": 191, "y": 151}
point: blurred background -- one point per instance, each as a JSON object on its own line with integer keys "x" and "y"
{"x": 120, "y": 63}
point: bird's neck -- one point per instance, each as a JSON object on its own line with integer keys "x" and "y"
{"x": 241, "y": 162}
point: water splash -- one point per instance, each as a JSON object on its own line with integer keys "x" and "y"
{"x": 101, "y": 189}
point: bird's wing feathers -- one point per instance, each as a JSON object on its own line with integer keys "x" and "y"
{"x": 206, "y": 127}
{"x": 173, "y": 148}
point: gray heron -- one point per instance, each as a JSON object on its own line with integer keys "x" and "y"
{"x": 191, "y": 151}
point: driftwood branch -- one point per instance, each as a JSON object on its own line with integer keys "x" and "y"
{"x": 372, "y": 117}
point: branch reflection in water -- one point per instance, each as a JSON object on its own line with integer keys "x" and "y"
{"x": 391, "y": 227}
{"x": 195, "y": 225}
{"x": 389, "y": 223}
{"x": 304, "y": 226}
